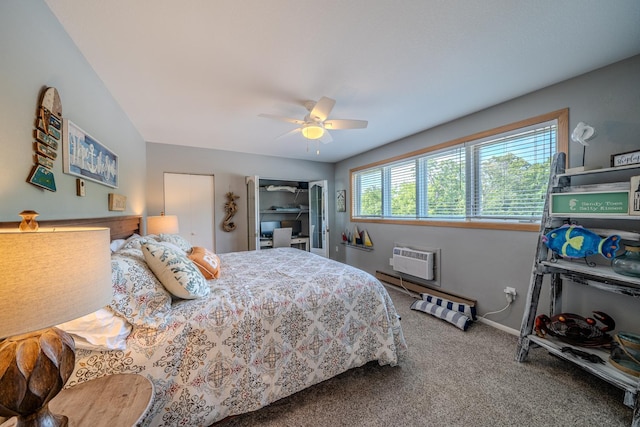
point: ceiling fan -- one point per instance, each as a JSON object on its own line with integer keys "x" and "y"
{"x": 316, "y": 124}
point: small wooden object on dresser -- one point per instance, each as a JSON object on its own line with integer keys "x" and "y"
{"x": 114, "y": 400}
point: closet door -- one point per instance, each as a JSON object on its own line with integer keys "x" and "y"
{"x": 318, "y": 219}
{"x": 253, "y": 214}
{"x": 191, "y": 198}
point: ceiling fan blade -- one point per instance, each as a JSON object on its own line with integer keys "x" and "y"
{"x": 291, "y": 132}
{"x": 345, "y": 124}
{"x": 322, "y": 109}
{"x": 282, "y": 119}
{"x": 326, "y": 137}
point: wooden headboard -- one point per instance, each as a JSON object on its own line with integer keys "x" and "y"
{"x": 121, "y": 226}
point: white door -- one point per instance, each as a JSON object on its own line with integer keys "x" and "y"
{"x": 253, "y": 215}
{"x": 191, "y": 198}
{"x": 318, "y": 218}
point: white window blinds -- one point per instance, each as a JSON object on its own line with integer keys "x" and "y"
{"x": 500, "y": 177}
{"x": 511, "y": 174}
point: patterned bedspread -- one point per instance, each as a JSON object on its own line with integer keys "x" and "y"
{"x": 276, "y": 321}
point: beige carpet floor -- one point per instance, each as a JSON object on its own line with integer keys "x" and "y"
{"x": 452, "y": 378}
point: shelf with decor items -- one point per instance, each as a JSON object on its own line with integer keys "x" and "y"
{"x": 602, "y": 190}
{"x": 356, "y": 246}
{"x": 359, "y": 239}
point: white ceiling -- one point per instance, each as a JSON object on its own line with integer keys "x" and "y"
{"x": 198, "y": 72}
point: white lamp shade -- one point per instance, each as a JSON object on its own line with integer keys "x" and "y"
{"x": 52, "y": 276}
{"x": 312, "y": 131}
{"x": 167, "y": 224}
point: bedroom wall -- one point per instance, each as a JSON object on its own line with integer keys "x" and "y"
{"x": 229, "y": 170}
{"x": 36, "y": 52}
{"x": 481, "y": 263}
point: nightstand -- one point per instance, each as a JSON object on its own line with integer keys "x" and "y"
{"x": 114, "y": 400}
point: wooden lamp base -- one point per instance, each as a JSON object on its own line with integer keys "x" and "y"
{"x": 33, "y": 369}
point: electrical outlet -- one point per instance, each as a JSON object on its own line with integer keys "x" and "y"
{"x": 510, "y": 291}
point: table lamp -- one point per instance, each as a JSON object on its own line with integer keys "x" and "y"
{"x": 49, "y": 277}
{"x": 167, "y": 224}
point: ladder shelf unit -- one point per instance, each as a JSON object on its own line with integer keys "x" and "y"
{"x": 601, "y": 276}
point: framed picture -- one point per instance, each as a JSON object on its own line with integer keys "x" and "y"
{"x": 625, "y": 159}
{"x": 634, "y": 196}
{"x": 341, "y": 202}
{"x": 117, "y": 202}
{"x": 87, "y": 158}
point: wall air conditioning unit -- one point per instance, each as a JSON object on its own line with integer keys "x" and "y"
{"x": 413, "y": 262}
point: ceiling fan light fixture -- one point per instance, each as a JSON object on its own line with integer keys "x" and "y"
{"x": 312, "y": 131}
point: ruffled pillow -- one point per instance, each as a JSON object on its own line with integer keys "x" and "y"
{"x": 207, "y": 262}
{"x": 175, "y": 271}
{"x": 138, "y": 296}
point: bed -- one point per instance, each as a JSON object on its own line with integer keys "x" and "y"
{"x": 274, "y": 322}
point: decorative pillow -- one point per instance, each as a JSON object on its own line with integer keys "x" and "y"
{"x": 136, "y": 240}
{"x": 466, "y": 309}
{"x": 133, "y": 253}
{"x": 138, "y": 296}
{"x": 177, "y": 273}
{"x": 116, "y": 245}
{"x": 455, "y": 318}
{"x": 176, "y": 239}
{"x": 100, "y": 330}
{"x": 173, "y": 246}
{"x": 207, "y": 262}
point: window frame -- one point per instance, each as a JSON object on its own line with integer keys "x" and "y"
{"x": 562, "y": 144}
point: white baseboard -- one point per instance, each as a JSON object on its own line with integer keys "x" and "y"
{"x": 499, "y": 326}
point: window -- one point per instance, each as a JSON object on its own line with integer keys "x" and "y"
{"x": 495, "y": 176}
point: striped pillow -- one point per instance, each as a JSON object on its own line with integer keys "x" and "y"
{"x": 454, "y": 317}
{"x": 469, "y": 311}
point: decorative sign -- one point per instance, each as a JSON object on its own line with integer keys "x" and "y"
{"x": 341, "y": 202}
{"x": 625, "y": 159}
{"x": 117, "y": 202}
{"x": 590, "y": 203}
{"x": 47, "y": 133}
{"x": 42, "y": 177}
{"x": 87, "y": 158}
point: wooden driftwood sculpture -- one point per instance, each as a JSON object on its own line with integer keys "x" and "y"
{"x": 230, "y": 208}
